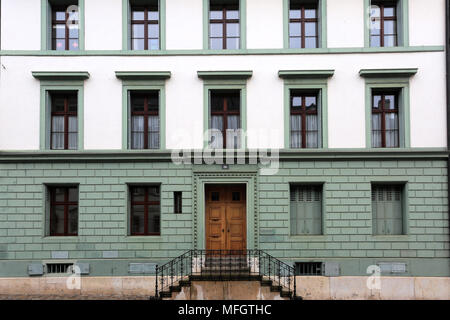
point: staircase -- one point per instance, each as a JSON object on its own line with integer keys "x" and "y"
{"x": 208, "y": 267}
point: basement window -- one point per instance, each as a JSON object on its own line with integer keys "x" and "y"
{"x": 59, "y": 268}
{"x": 308, "y": 268}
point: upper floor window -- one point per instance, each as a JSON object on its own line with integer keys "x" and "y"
{"x": 383, "y": 31}
{"x": 64, "y": 121}
{"x": 224, "y": 25}
{"x": 145, "y": 121}
{"x": 63, "y": 211}
{"x": 145, "y": 26}
{"x": 65, "y": 27}
{"x": 304, "y": 119}
{"x": 225, "y": 119}
{"x": 385, "y": 119}
{"x": 303, "y": 24}
{"x": 145, "y": 210}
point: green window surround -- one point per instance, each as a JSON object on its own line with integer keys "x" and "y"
{"x": 143, "y": 81}
{"x": 322, "y": 24}
{"x": 54, "y": 82}
{"x": 316, "y": 80}
{"x": 242, "y": 26}
{"x": 224, "y": 80}
{"x": 126, "y": 24}
{"x": 402, "y": 22}
{"x": 46, "y": 23}
{"x": 306, "y": 209}
{"x": 389, "y": 79}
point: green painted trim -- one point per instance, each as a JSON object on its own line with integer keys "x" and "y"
{"x": 44, "y": 138}
{"x": 305, "y": 74}
{"x": 37, "y": 53}
{"x": 144, "y": 85}
{"x": 224, "y": 84}
{"x": 60, "y": 75}
{"x": 405, "y": 123}
{"x": 323, "y": 37}
{"x": 126, "y": 32}
{"x": 242, "y": 25}
{"x": 307, "y": 83}
{"x": 388, "y": 73}
{"x": 143, "y": 75}
{"x": 222, "y": 75}
{"x": 45, "y": 25}
{"x": 402, "y": 22}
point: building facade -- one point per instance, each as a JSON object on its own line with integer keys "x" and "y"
{"x": 316, "y": 131}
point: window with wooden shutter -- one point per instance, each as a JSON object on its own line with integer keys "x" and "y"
{"x": 387, "y": 209}
{"x": 306, "y": 210}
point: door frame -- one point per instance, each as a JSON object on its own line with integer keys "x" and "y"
{"x": 201, "y": 179}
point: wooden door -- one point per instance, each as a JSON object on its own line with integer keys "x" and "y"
{"x": 226, "y": 217}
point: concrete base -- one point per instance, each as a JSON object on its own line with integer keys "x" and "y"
{"x": 310, "y": 288}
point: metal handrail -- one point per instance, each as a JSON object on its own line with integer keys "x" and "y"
{"x": 221, "y": 265}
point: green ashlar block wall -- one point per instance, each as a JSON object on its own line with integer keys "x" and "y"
{"x": 347, "y": 221}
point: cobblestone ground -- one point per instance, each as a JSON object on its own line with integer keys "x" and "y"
{"x": 74, "y": 297}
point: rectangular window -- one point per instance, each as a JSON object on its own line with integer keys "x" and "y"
{"x": 145, "y": 210}
{"x": 65, "y": 27}
{"x": 303, "y": 24}
{"x": 387, "y": 209}
{"x": 63, "y": 211}
{"x": 306, "y": 209}
{"x": 224, "y": 25}
{"x": 225, "y": 119}
{"x": 145, "y": 26}
{"x": 304, "y": 119}
{"x": 385, "y": 119}
{"x": 178, "y": 201}
{"x": 145, "y": 120}
{"x": 64, "y": 121}
{"x": 383, "y": 24}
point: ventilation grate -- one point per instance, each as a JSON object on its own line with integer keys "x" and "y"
{"x": 308, "y": 268}
{"x": 59, "y": 268}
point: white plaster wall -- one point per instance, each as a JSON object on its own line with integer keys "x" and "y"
{"x": 103, "y": 24}
{"x": 345, "y": 23}
{"x": 21, "y": 24}
{"x": 19, "y": 112}
{"x": 427, "y": 22}
{"x": 184, "y": 24}
{"x": 264, "y": 24}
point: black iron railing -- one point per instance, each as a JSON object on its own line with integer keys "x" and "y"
{"x": 223, "y": 265}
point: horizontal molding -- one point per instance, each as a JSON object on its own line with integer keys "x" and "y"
{"x": 222, "y": 75}
{"x": 143, "y": 75}
{"x": 305, "y": 74}
{"x": 166, "y": 155}
{"x": 60, "y": 75}
{"x": 222, "y": 52}
{"x": 388, "y": 73}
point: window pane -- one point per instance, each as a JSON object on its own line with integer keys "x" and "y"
{"x": 57, "y": 220}
{"x": 390, "y": 41}
{"x": 73, "y": 124}
{"x": 377, "y": 102}
{"x": 138, "y": 194}
{"x": 392, "y": 130}
{"x": 296, "y": 135}
{"x": 60, "y": 44}
{"x": 216, "y": 14}
{"x": 389, "y": 11}
{"x": 153, "y": 44}
{"x": 232, "y": 14}
{"x": 310, "y": 42}
{"x": 376, "y": 131}
{"x": 217, "y": 103}
{"x": 375, "y": 41}
{"x": 295, "y": 43}
{"x": 57, "y": 103}
{"x": 137, "y": 103}
{"x": 217, "y": 123}
{"x": 137, "y": 219}
{"x": 312, "y": 131}
{"x": 59, "y": 31}
{"x": 138, "y": 44}
{"x": 216, "y": 30}
{"x": 296, "y": 102}
{"x": 233, "y": 102}
{"x": 73, "y": 194}
{"x": 58, "y": 124}
{"x": 295, "y": 14}
{"x": 311, "y": 103}
{"x": 138, "y": 31}
{"x": 137, "y": 14}
{"x": 216, "y": 43}
{"x": 232, "y": 29}
{"x": 73, "y": 141}
{"x": 59, "y": 194}
{"x": 153, "y": 30}
{"x": 153, "y": 135}
{"x": 390, "y": 27}
{"x": 154, "y": 219}
{"x": 232, "y": 43}
{"x": 73, "y": 44}
{"x": 153, "y": 193}
{"x": 310, "y": 13}
{"x": 295, "y": 29}
{"x": 73, "y": 105}
{"x": 73, "y": 220}
{"x": 310, "y": 29}
{"x": 73, "y": 32}
{"x": 153, "y": 15}
{"x": 57, "y": 141}
{"x": 389, "y": 102}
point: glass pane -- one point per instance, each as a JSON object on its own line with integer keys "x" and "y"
{"x": 312, "y": 131}
{"x": 73, "y": 124}
{"x": 57, "y": 220}
{"x": 138, "y": 44}
{"x": 295, "y": 43}
{"x": 137, "y": 124}
{"x": 137, "y": 219}
{"x": 216, "y": 43}
{"x": 389, "y": 11}
{"x": 310, "y": 29}
{"x": 59, "y": 194}
{"x": 73, "y": 32}
{"x": 296, "y": 127}
{"x": 58, "y": 124}
{"x": 310, "y": 13}
{"x": 73, "y": 141}
{"x": 72, "y": 101}
{"x": 233, "y": 103}
{"x": 390, "y": 41}
{"x": 57, "y": 104}
{"x": 296, "y": 102}
{"x": 137, "y": 103}
{"x": 233, "y": 122}
{"x": 376, "y": 131}
{"x": 153, "y": 15}
{"x": 295, "y": 14}
{"x": 137, "y": 194}
{"x": 137, "y": 31}
{"x": 59, "y": 31}
{"x": 216, "y": 30}
{"x": 153, "y": 30}
{"x": 73, "y": 44}
{"x": 73, "y": 220}
{"x": 389, "y": 102}
{"x": 153, "y": 193}
{"x": 390, "y": 27}
{"x": 57, "y": 141}
{"x": 377, "y": 103}
{"x": 217, "y": 123}
{"x": 137, "y": 14}
{"x": 153, "y": 44}
{"x": 232, "y": 43}
{"x": 60, "y": 44}
{"x": 154, "y": 219}
{"x": 153, "y": 124}
{"x": 375, "y": 41}
{"x": 236, "y": 196}
{"x": 215, "y": 196}
{"x": 311, "y": 42}
{"x": 152, "y": 102}
{"x": 232, "y": 29}
{"x": 311, "y": 103}
{"x": 232, "y": 14}
{"x": 73, "y": 194}
{"x": 217, "y": 103}
{"x": 215, "y": 14}
{"x": 295, "y": 29}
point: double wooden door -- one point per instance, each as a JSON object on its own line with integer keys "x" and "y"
{"x": 225, "y": 217}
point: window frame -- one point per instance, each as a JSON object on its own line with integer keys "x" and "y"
{"x": 319, "y": 186}
{"x": 66, "y": 203}
{"x": 303, "y": 113}
{"x": 383, "y": 112}
{"x": 383, "y": 19}
{"x": 47, "y": 25}
{"x": 66, "y": 114}
{"x": 146, "y": 203}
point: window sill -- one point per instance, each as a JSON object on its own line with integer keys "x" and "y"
{"x": 60, "y": 239}
{"x": 399, "y": 237}
{"x": 143, "y": 238}
{"x": 308, "y": 237}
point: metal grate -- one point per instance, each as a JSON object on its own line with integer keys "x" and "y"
{"x": 59, "y": 268}
{"x": 306, "y": 193}
{"x": 308, "y": 268}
